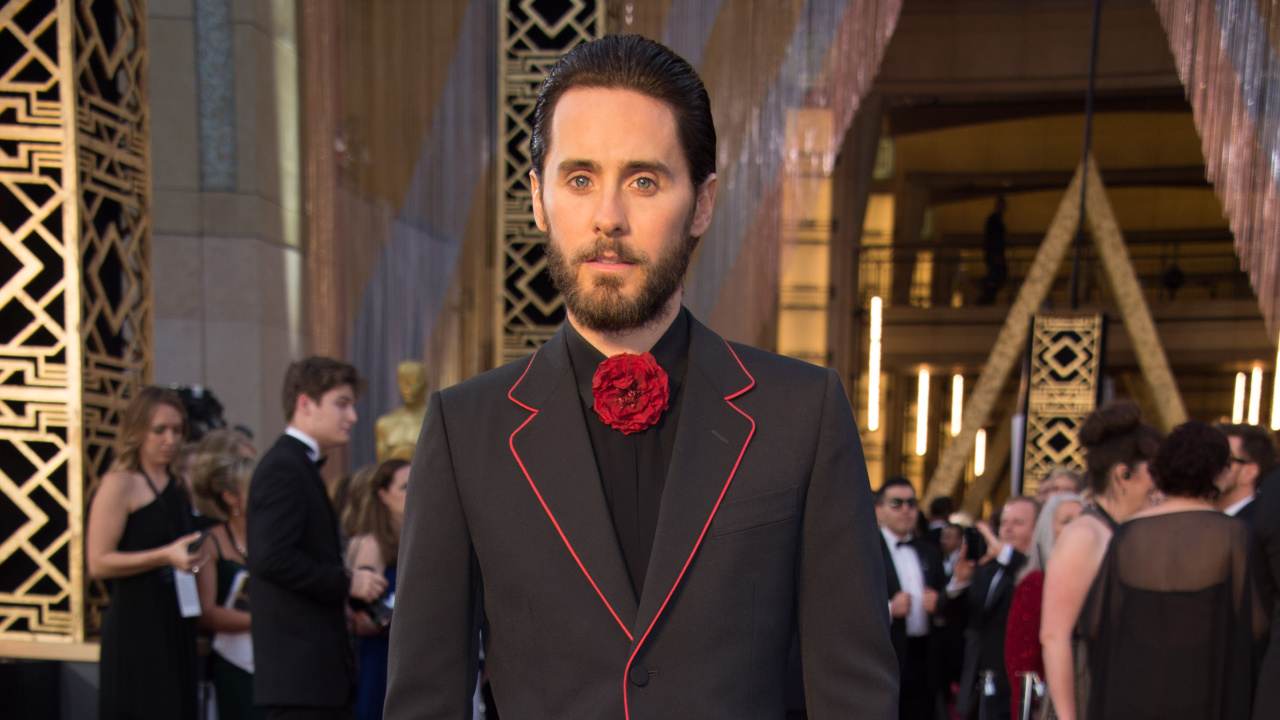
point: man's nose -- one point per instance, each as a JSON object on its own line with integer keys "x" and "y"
{"x": 611, "y": 214}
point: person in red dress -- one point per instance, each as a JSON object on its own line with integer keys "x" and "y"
{"x": 1022, "y": 635}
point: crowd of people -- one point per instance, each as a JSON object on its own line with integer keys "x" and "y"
{"x": 173, "y": 527}
{"x": 1141, "y": 589}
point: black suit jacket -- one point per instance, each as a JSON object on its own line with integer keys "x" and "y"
{"x": 984, "y": 637}
{"x": 298, "y": 585}
{"x": 934, "y": 577}
{"x": 766, "y": 525}
{"x": 1266, "y": 556}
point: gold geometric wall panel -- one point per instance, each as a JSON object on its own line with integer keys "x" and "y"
{"x": 75, "y": 294}
{"x": 533, "y": 36}
{"x": 1066, "y": 371}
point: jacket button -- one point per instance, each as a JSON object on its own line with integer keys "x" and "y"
{"x": 639, "y": 676}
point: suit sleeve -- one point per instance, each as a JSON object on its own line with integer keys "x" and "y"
{"x": 850, "y": 669}
{"x": 435, "y": 635}
{"x": 277, "y": 523}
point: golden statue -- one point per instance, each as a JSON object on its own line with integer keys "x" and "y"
{"x": 397, "y": 431}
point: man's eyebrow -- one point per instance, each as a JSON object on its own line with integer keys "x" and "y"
{"x": 653, "y": 166}
{"x": 574, "y": 165}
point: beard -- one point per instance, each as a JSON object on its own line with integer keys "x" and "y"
{"x": 602, "y": 306}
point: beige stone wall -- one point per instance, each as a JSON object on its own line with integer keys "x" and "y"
{"x": 227, "y": 259}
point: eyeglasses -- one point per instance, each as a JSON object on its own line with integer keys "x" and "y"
{"x": 897, "y": 503}
{"x": 1242, "y": 461}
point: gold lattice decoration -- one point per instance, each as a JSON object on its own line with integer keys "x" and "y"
{"x": 75, "y": 301}
{"x": 1066, "y": 367}
{"x": 534, "y": 35}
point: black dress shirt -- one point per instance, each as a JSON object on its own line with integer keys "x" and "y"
{"x": 633, "y": 468}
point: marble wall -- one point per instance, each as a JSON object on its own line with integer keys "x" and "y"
{"x": 227, "y": 201}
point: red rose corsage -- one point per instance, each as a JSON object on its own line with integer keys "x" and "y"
{"x": 630, "y": 392}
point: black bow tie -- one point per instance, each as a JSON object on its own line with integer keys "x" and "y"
{"x": 902, "y": 543}
{"x": 320, "y": 461}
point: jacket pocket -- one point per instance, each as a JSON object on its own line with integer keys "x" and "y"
{"x": 756, "y": 511}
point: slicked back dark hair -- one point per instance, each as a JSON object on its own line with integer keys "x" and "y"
{"x": 632, "y": 62}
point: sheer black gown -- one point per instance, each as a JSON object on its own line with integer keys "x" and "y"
{"x": 1172, "y": 621}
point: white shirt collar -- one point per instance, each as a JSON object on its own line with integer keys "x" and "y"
{"x": 313, "y": 447}
{"x": 1006, "y": 554}
{"x": 1237, "y": 506}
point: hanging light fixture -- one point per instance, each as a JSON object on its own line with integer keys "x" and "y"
{"x": 873, "y": 367}
{"x": 957, "y": 403}
{"x": 980, "y": 452}
{"x": 1255, "y": 396}
{"x": 922, "y": 414}
{"x": 1237, "y": 406}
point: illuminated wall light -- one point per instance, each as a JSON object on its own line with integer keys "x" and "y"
{"x": 922, "y": 414}
{"x": 957, "y": 403}
{"x": 1255, "y": 396}
{"x": 980, "y": 452}
{"x": 1237, "y": 406}
{"x": 1275, "y": 395}
{"x": 873, "y": 367}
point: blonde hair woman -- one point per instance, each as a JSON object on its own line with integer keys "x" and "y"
{"x": 223, "y": 465}
{"x": 140, "y": 538}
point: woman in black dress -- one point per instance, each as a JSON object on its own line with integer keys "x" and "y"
{"x": 1172, "y": 621}
{"x": 138, "y": 537}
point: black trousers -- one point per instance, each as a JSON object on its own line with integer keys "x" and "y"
{"x": 916, "y": 693}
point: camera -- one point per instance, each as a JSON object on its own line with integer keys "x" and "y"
{"x": 975, "y": 544}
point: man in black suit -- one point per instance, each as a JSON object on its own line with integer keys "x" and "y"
{"x": 980, "y": 597}
{"x": 914, "y": 575}
{"x": 1266, "y": 571}
{"x": 638, "y": 517}
{"x": 1253, "y": 455}
{"x": 298, "y": 583}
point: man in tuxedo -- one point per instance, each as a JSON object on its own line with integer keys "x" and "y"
{"x": 1253, "y": 455}
{"x": 638, "y": 517}
{"x": 1266, "y": 571}
{"x": 299, "y": 586}
{"x": 914, "y": 576}
{"x": 980, "y": 597}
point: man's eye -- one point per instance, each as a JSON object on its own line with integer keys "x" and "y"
{"x": 645, "y": 183}
{"x": 579, "y": 181}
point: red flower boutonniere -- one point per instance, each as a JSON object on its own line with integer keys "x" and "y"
{"x": 630, "y": 392}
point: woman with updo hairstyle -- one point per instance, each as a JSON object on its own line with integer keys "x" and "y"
{"x": 375, "y": 511}
{"x": 1118, "y": 450}
{"x": 139, "y": 538}
{"x": 1173, "y": 618}
{"x": 223, "y": 465}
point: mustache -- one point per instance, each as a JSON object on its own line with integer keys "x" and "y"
{"x": 604, "y": 245}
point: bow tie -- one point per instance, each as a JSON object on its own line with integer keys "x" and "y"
{"x": 320, "y": 461}
{"x": 904, "y": 543}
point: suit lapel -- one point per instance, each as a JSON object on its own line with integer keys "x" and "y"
{"x": 891, "y": 577}
{"x": 554, "y": 450}
{"x": 710, "y": 441}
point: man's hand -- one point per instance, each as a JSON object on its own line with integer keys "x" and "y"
{"x": 367, "y": 585}
{"x": 930, "y": 600}
{"x": 900, "y": 605}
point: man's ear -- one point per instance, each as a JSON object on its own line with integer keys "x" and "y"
{"x": 1250, "y": 475}
{"x": 539, "y": 214}
{"x": 303, "y": 406}
{"x": 704, "y": 204}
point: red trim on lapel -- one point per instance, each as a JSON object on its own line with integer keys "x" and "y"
{"x": 511, "y": 443}
{"x": 626, "y": 674}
